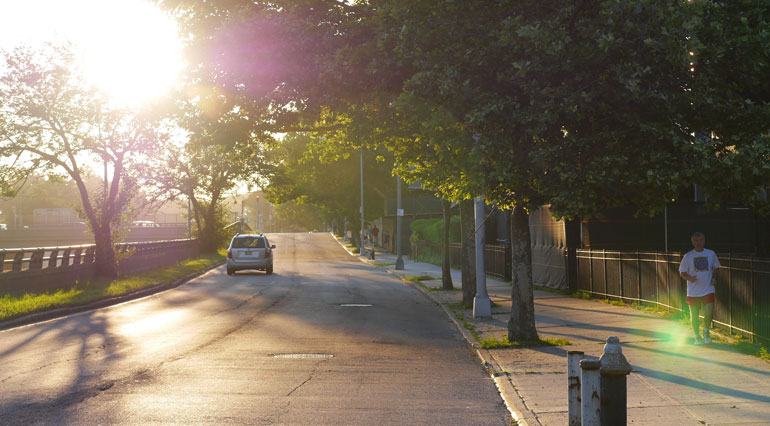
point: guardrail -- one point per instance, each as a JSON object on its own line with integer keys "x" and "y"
{"x": 47, "y": 268}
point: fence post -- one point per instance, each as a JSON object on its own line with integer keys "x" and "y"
{"x": 36, "y": 260}
{"x": 730, "y": 293}
{"x": 614, "y": 369}
{"x": 508, "y": 262}
{"x": 620, "y": 275}
{"x": 573, "y": 382}
{"x": 751, "y": 292}
{"x": 591, "y": 270}
{"x": 604, "y": 264}
{"x": 89, "y": 257}
{"x": 2, "y": 261}
{"x": 639, "y": 276}
{"x": 65, "y": 258}
{"x": 53, "y": 259}
{"x": 668, "y": 282}
{"x": 590, "y": 389}
{"x": 78, "y": 253}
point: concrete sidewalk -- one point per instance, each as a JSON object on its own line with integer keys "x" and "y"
{"x": 673, "y": 381}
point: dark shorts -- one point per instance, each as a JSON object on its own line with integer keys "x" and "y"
{"x": 698, "y": 302}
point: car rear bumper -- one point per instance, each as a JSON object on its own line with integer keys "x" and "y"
{"x": 249, "y": 264}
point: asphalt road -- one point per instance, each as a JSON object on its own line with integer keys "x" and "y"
{"x": 296, "y": 347}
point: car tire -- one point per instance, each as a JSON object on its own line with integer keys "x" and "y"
{"x": 230, "y": 271}
{"x": 269, "y": 270}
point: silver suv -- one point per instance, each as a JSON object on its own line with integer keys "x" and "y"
{"x": 250, "y": 251}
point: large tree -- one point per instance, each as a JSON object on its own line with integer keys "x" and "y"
{"x": 220, "y": 148}
{"x": 52, "y": 122}
{"x": 330, "y": 180}
{"x": 578, "y": 104}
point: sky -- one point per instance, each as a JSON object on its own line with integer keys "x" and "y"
{"x": 129, "y": 48}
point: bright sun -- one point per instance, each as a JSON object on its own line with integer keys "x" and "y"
{"x": 129, "y": 48}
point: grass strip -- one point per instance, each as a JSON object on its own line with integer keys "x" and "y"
{"x": 495, "y": 343}
{"x": 418, "y": 278}
{"x": 12, "y": 306}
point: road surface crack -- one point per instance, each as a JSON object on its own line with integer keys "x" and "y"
{"x": 300, "y": 385}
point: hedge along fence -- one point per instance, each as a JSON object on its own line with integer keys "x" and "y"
{"x": 29, "y": 270}
{"x": 431, "y": 229}
{"x": 429, "y": 234}
{"x": 742, "y": 291}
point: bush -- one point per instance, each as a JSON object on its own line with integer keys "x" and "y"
{"x": 431, "y": 229}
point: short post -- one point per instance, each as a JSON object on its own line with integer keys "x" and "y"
{"x": 590, "y": 388}
{"x": 573, "y": 380}
{"x": 614, "y": 369}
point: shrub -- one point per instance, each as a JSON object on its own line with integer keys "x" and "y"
{"x": 431, "y": 229}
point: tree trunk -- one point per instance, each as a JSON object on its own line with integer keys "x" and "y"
{"x": 208, "y": 234}
{"x": 355, "y": 239}
{"x": 105, "y": 262}
{"x": 468, "y": 236}
{"x": 446, "y": 270}
{"x": 521, "y": 325}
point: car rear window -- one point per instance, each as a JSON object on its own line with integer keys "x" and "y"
{"x": 249, "y": 242}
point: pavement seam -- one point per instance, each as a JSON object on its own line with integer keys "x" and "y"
{"x": 676, "y": 404}
{"x": 39, "y": 317}
{"x": 516, "y": 406}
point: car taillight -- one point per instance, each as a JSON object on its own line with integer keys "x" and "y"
{"x": 267, "y": 254}
{"x": 229, "y": 255}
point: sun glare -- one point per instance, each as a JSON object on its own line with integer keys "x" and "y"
{"x": 128, "y": 48}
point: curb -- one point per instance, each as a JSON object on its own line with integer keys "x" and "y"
{"x": 521, "y": 415}
{"x": 38, "y": 317}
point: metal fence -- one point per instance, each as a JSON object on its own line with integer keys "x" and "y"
{"x": 47, "y": 268}
{"x": 497, "y": 258}
{"x": 742, "y": 291}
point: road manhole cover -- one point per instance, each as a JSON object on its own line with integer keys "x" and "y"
{"x": 355, "y": 305}
{"x": 302, "y": 356}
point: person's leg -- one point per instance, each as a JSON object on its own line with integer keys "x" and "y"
{"x": 708, "y": 313}
{"x": 694, "y": 318}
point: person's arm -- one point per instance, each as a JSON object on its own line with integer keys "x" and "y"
{"x": 687, "y": 277}
{"x": 714, "y": 270}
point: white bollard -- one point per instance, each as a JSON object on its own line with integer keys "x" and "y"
{"x": 590, "y": 384}
{"x": 573, "y": 381}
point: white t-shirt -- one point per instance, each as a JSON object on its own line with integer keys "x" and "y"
{"x": 700, "y": 265}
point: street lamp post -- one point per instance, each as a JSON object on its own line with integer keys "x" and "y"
{"x": 482, "y": 306}
{"x": 189, "y": 222}
{"x": 399, "y": 213}
{"x": 361, "y": 251}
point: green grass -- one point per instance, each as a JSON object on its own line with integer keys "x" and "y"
{"x": 581, "y": 295}
{"x": 99, "y": 288}
{"x": 356, "y": 250}
{"x": 468, "y": 326}
{"x": 418, "y": 278}
{"x": 383, "y": 264}
{"x": 495, "y": 343}
{"x": 614, "y": 302}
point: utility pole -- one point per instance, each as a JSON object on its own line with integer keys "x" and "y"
{"x": 399, "y": 214}
{"x": 189, "y": 223}
{"x": 361, "y": 251}
{"x": 482, "y": 306}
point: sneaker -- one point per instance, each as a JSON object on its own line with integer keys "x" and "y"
{"x": 698, "y": 340}
{"x": 707, "y": 338}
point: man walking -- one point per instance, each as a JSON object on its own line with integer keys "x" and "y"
{"x": 697, "y": 267}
